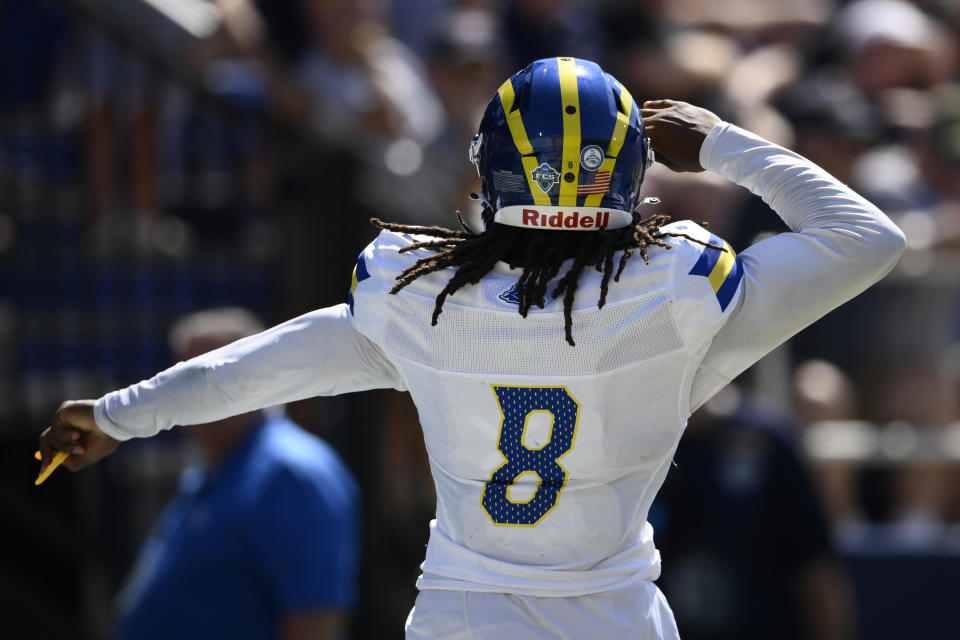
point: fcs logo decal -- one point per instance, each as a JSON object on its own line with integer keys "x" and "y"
{"x": 545, "y": 176}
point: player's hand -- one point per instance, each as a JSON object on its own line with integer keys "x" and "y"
{"x": 677, "y": 131}
{"x": 74, "y": 431}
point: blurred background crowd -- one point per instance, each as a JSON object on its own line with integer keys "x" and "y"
{"x": 163, "y": 156}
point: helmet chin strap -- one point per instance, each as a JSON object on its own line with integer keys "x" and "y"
{"x": 486, "y": 211}
{"x": 486, "y": 214}
{"x": 637, "y": 216}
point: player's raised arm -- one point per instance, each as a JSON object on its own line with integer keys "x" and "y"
{"x": 839, "y": 243}
{"x": 319, "y": 353}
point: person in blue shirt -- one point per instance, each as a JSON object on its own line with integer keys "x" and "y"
{"x": 749, "y": 549}
{"x": 263, "y": 541}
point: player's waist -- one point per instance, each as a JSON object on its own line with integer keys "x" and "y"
{"x": 451, "y": 566}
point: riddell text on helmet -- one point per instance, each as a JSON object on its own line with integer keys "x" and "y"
{"x": 560, "y": 220}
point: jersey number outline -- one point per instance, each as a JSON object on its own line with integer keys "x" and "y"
{"x": 517, "y": 404}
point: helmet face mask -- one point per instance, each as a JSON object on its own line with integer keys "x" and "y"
{"x": 561, "y": 146}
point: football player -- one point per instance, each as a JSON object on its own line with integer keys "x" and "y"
{"x": 554, "y": 356}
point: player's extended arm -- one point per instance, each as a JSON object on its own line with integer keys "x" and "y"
{"x": 839, "y": 245}
{"x": 73, "y": 430}
{"x": 319, "y": 353}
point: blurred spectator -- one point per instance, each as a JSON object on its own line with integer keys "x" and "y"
{"x": 941, "y": 160}
{"x": 822, "y": 392}
{"x": 338, "y": 72}
{"x": 465, "y": 66}
{"x": 407, "y": 499}
{"x": 545, "y": 28}
{"x": 351, "y": 87}
{"x": 747, "y": 548}
{"x": 702, "y": 197}
{"x": 833, "y": 123}
{"x": 915, "y": 178}
{"x": 118, "y": 99}
{"x": 921, "y": 397}
{"x": 363, "y": 83}
{"x": 915, "y": 497}
{"x": 415, "y": 21}
{"x": 683, "y": 64}
{"x": 892, "y": 43}
{"x": 261, "y": 541}
{"x": 788, "y": 21}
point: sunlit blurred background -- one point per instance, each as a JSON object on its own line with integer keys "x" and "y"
{"x": 163, "y": 156}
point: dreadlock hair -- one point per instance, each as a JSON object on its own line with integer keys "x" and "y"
{"x": 540, "y": 253}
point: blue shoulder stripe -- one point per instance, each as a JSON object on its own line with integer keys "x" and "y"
{"x": 730, "y": 284}
{"x": 722, "y": 268}
{"x": 360, "y": 274}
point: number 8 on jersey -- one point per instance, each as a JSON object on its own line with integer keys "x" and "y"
{"x": 517, "y": 404}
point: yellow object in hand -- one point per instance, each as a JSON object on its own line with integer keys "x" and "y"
{"x": 57, "y": 459}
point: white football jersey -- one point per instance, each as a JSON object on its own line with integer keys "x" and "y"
{"x": 546, "y": 457}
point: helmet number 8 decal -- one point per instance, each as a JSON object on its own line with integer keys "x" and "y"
{"x": 520, "y": 406}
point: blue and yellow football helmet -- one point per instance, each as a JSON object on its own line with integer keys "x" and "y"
{"x": 561, "y": 146}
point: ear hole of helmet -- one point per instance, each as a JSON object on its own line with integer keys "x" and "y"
{"x": 635, "y": 181}
{"x": 521, "y": 101}
{"x": 616, "y": 98}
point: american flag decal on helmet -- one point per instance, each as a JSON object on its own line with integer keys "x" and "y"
{"x": 600, "y": 184}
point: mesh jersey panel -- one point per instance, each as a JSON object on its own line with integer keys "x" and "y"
{"x": 471, "y": 340}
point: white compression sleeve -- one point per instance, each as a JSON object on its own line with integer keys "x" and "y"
{"x": 839, "y": 245}
{"x": 319, "y": 353}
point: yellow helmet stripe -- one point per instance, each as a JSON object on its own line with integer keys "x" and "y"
{"x": 570, "y": 99}
{"x": 616, "y": 143}
{"x": 515, "y": 122}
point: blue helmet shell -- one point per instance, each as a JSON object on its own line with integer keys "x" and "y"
{"x": 561, "y": 133}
